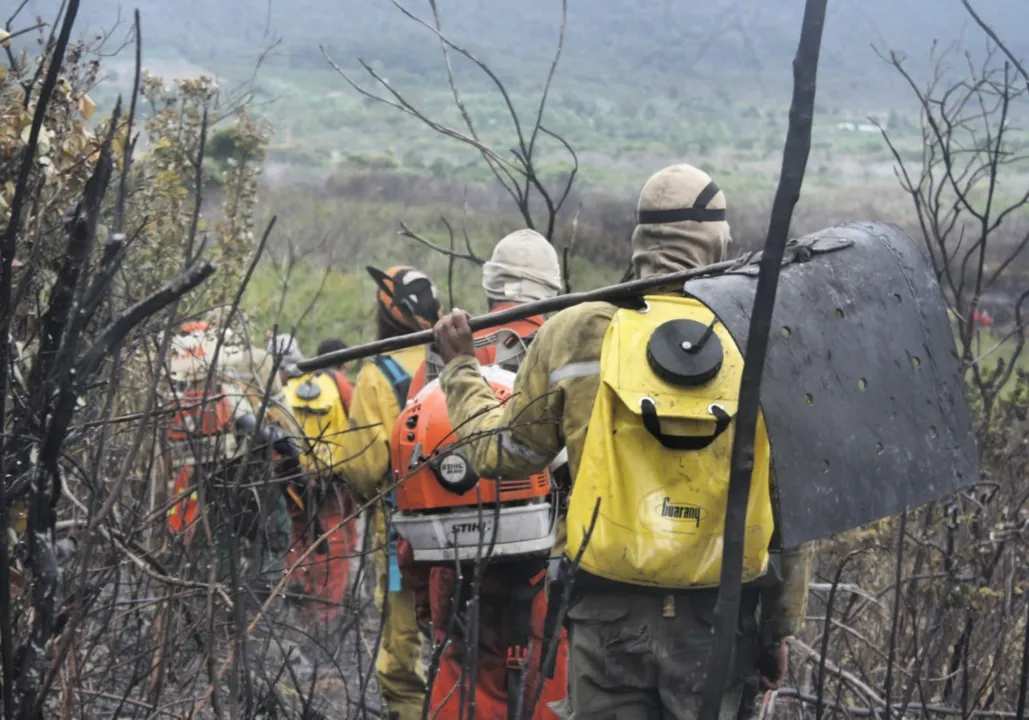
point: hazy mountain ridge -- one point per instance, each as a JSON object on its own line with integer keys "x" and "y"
{"x": 672, "y": 47}
{"x": 638, "y": 83}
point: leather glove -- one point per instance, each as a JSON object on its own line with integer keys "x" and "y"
{"x": 453, "y": 336}
{"x": 772, "y": 664}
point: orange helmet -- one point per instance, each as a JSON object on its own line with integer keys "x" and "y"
{"x": 194, "y": 326}
{"x": 407, "y": 298}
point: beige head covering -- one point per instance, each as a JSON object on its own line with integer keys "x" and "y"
{"x": 523, "y": 268}
{"x": 192, "y": 352}
{"x": 289, "y": 349}
{"x": 681, "y": 222}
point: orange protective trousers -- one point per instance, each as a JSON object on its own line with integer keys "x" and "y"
{"x": 491, "y": 686}
{"x": 322, "y": 576}
{"x": 435, "y": 589}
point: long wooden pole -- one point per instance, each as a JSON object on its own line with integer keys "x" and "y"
{"x": 791, "y": 178}
{"x": 610, "y": 293}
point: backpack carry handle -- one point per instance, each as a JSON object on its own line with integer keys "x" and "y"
{"x": 683, "y": 442}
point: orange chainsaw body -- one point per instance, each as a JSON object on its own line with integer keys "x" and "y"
{"x": 423, "y": 438}
{"x": 445, "y": 511}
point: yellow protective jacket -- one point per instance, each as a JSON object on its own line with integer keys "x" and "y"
{"x": 373, "y": 411}
{"x": 553, "y": 399}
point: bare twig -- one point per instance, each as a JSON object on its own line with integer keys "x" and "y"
{"x": 119, "y": 214}
{"x": 16, "y": 33}
{"x": 519, "y": 178}
{"x": 470, "y": 256}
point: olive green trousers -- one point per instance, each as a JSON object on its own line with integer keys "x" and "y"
{"x": 398, "y": 666}
{"x": 640, "y": 656}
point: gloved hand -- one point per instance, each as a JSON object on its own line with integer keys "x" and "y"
{"x": 772, "y": 664}
{"x": 453, "y": 336}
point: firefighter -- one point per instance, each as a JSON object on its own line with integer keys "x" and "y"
{"x": 523, "y": 268}
{"x": 321, "y": 401}
{"x": 406, "y": 300}
{"x": 218, "y": 427}
{"x": 642, "y": 611}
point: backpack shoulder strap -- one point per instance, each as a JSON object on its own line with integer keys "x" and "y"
{"x": 345, "y": 389}
{"x": 400, "y": 381}
{"x": 398, "y": 378}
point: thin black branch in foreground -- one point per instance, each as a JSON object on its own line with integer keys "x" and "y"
{"x": 8, "y": 248}
{"x": 21, "y": 183}
{"x": 820, "y": 678}
{"x": 566, "y": 598}
{"x": 877, "y": 711}
{"x": 23, "y": 31}
{"x": 895, "y": 619}
{"x": 996, "y": 40}
{"x": 119, "y": 213}
{"x": 64, "y": 325}
{"x": 795, "y": 155}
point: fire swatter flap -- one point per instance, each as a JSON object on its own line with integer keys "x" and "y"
{"x": 862, "y": 393}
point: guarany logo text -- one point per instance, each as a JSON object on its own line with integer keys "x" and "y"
{"x": 675, "y": 511}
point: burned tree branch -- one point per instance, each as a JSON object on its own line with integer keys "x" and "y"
{"x": 401, "y": 104}
{"x": 996, "y": 40}
{"x": 545, "y": 94}
{"x": 470, "y": 256}
{"x": 519, "y": 177}
{"x": 571, "y": 175}
{"x": 795, "y": 155}
{"x": 969, "y": 146}
{"x": 17, "y": 33}
{"x": 134, "y": 315}
{"x": 502, "y": 173}
{"x": 119, "y": 214}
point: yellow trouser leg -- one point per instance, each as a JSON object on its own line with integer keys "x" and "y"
{"x": 399, "y": 664}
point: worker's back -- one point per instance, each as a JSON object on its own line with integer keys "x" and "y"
{"x": 221, "y": 387}
{"x": 319, "y": 402}
{"x": 642, "y": 396}
{"x": 323, "y": 529}
{"x": 437, "y": 489}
